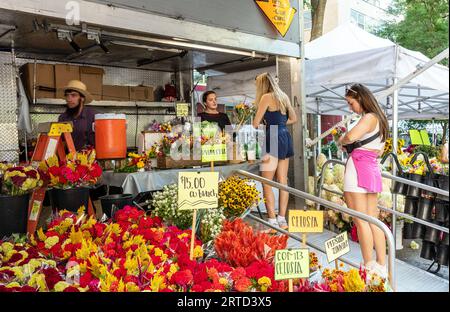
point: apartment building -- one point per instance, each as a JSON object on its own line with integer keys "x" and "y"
{"x": 367, "y": 14}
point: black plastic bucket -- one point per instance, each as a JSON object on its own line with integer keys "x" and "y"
{"x": 13, "y": 214}
{"x": 414, "y": 191}
{"x": 442, "y": 255}
{"x": 419, "y": 230}
{"x": 118, "y": 200}
{"x": 425, "y": 208}
{"x": 70, "y": 199}
{"x": 445, "y": 239}
{"x": 408, "y": 230}
{"x": 443, "y": 185}
{"x": 411, "y": 205}
{"x": 433, "y": 235}
{"x": 430, "y": 179}
{"x": 441, "y": 210}
{"x": 428, "y": 250}
{"x": 399, "y": 187}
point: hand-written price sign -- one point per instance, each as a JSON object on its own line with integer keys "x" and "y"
{"x": 337, "y": 246}
{"x": 198, "y": 190}
{"x": 302, "y": 221}
{"x": 182, "y": 109}
{"x": 216, "y": 152}
{"x": 291, "y": 264}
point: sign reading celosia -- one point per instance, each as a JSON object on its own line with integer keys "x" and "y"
{"x": 198, "y": 190}
{"x": 337, "y": 246}
{"x": 214, "y": 152}
{"x": 291, "y": 263}
{"x": 302, "y": 221}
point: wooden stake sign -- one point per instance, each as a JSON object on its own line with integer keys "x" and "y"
{"x": 214, "y": 152}
{"x": 337, "y": 247}
{"x": 197, "y": 190}
{"x": 290, "y": 264}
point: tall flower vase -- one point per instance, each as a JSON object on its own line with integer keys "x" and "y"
{"x": 70, "y": 199}
{"x": 399, "y": 234}
{"x": 13, "y": 214}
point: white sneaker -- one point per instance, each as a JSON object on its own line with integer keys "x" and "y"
{"x": 380, "y": 270}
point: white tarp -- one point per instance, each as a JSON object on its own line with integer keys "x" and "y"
{"x": 347, "y": 55}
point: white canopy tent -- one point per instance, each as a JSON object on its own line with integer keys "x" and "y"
{"x": 346, "y": 55}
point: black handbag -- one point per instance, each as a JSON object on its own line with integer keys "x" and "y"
{"x": 350, "y": 147}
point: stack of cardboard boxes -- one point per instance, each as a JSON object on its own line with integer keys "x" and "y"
{"x": 50, "y": 79}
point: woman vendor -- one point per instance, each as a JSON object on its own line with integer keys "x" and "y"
{"x": 211, "y": 113}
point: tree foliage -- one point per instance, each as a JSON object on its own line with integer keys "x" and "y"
{"x": 424, "y": 26}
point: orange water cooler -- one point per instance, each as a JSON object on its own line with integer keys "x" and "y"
{"x": 110, "y": 136}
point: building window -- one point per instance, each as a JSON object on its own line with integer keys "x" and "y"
{"x": 358, "y": 18}
{"x": 307, "y": 19}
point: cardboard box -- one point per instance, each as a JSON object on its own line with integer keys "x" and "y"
{"x": 45, "y": 80}
{"x": 92, "y": 77}
{"x": 115, "y": 93}
{"x": 142, "y": 93}
{"x": 63, "y": 74}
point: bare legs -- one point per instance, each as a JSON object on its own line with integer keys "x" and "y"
{"x": 268, "y": 168}
{"x": 369, "y": 235}
{"x": 279, "y": 167}
{"x": 282, "y": 170}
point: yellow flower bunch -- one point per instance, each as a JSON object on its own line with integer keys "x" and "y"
{"x": 236, "y": 195}
{"x": 388, "y": 146}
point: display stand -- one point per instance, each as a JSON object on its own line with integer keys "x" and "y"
{"x": 54, "y": 139}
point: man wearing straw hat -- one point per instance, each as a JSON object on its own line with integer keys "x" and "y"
{"x": 82, "y": 117}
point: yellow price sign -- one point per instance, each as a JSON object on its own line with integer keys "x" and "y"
{"x": 279, "y": 12}
{"x": 217, "y": 152}
{"x": 182, "y": 109}
{"x": 198, "y": 190}
{"x": 301, "y": 221}
{"x": 291, "y": 263}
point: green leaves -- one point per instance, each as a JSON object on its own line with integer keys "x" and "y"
{"x": 419, "y": 25}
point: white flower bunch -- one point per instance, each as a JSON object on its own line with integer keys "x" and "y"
{"x": 338, "y": 172}
{"x": 165, "y": 203}
{"x": 321, "y": 159}
{"x": 211, "y": 223}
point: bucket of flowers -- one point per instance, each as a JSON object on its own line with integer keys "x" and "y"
{"x": 71, "y": 179}
{"x": 17, "y": 182}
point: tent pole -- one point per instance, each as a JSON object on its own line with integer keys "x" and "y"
{"x": 395, "y": 141}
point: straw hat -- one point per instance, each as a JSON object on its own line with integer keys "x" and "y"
{"x": 80, "y": 87}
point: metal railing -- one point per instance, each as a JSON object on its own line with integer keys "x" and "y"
{"x": 331, "y": 205}
{"x": 394, "y": 178}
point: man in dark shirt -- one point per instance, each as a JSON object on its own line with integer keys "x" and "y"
{"x": 79, "y": 114}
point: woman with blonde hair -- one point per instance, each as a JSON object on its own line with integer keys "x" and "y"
{"x": 275, "y": 110}
{"x": 362, "y": 179}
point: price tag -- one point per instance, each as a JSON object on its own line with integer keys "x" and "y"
{"x": 182, "y": 109}
{"x": 291, "y": 264}
{"x": 198, "y": 190}
{"x": 337, "y": 246}
{"x": 35, "y": 210}
{"x": 301, "y": 221}
{"x": 217, "y": 152}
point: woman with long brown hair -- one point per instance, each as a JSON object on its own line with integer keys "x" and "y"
{"x": 362, "y": 179}
{"x": 275, "y": 109}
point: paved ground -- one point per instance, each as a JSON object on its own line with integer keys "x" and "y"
{"x": 412, "y": 257}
